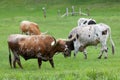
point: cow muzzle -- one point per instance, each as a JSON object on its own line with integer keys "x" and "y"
{"x": 66, "y": 51}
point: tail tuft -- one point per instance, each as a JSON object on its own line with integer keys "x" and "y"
{"x": 113, "y": 51}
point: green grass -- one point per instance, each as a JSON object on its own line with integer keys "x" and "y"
{"x": 65, "y": 68}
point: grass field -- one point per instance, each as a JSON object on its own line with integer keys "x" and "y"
{"x": 13, "y": 12}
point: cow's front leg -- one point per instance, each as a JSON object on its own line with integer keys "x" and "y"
{"x": 76, "y": 47}
{"x": 85, "y": 54}
{"x": 75, "y": 52}
{"x": 39, "y": 62}
{"x": 51, "y": 62}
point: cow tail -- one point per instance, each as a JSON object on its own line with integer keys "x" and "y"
{"x": 112, "y": 43}
{"x": 10, "y": 60}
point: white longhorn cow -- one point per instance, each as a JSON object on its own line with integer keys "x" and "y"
{"x": 91, "y": 35}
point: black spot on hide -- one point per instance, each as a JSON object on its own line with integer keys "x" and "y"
{"x": 85, "y": 22}
{"x": 104, "y": 32}
{"x": 74, "y": 39}
{"x": 89, "y": 35}
{"x": 91, "y": 22}
{"x": 96, "y": 34}
{"x": 77, "y": 36}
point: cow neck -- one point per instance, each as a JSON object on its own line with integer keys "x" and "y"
{"x": 54, "y": 49}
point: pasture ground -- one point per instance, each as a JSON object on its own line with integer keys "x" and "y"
{"x": 65, "y": 68}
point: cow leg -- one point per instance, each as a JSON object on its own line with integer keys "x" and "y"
{"x": 14, "y": 62}
{"x": 19, "y": 63}
{"x": 39, "y": 62}
{"x": 51, "y": 62}
{"x": 76, "y": 51}
{"x": 106, "y": 53}
{"x": 100, "y": 55}
{"x": 76, "y": 47}
{"x": 85, "y": 54}
{"x": 103, "y": 49}
{"x": 104, "y": 45}
{"x": 16, "y": 59}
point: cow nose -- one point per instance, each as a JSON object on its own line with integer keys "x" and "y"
{"x": 66, "y": 52}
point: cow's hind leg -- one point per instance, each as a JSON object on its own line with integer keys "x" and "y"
{"x": 19, "y": 63}
{"x": 17, "y": 59}
{"x": 14, "y": 62}
{"x": 106, "y": 53}
{"x": 51, "y": 62}
{"x": 39, "y": 62}
{"x": 103, "y": 49}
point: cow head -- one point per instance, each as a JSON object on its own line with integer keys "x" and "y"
{"x": 69, "y": 42}
{"x": 70, "y": 46}
{"x": 63, "y": 47}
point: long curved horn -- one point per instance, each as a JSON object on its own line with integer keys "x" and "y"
{"x": 71, "y": 39}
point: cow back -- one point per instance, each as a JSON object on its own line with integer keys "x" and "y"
{"x": 37, "y": 44}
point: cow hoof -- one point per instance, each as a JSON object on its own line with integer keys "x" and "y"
{"x": 53, "y": 67}
{"x": 105, "y": 57}
{"x": 85, "y": 58}
{"x": 74, "y": 55}
{"x": 99, "y": 57}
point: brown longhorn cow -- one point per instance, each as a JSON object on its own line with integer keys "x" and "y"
{"x": 29, "y": 28}
{"x": 42, "y": 47}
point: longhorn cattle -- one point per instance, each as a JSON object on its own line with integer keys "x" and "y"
{"x": 29, "y": 28}
{"x": 42, "y": 47}
{"x": 86, "y": 21}
{"x": 91, "y": 35}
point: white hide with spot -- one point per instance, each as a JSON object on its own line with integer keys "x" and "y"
{"x": 84, "y": 21}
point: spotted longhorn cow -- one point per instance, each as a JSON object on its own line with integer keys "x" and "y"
{"x": 91, "y": 35}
